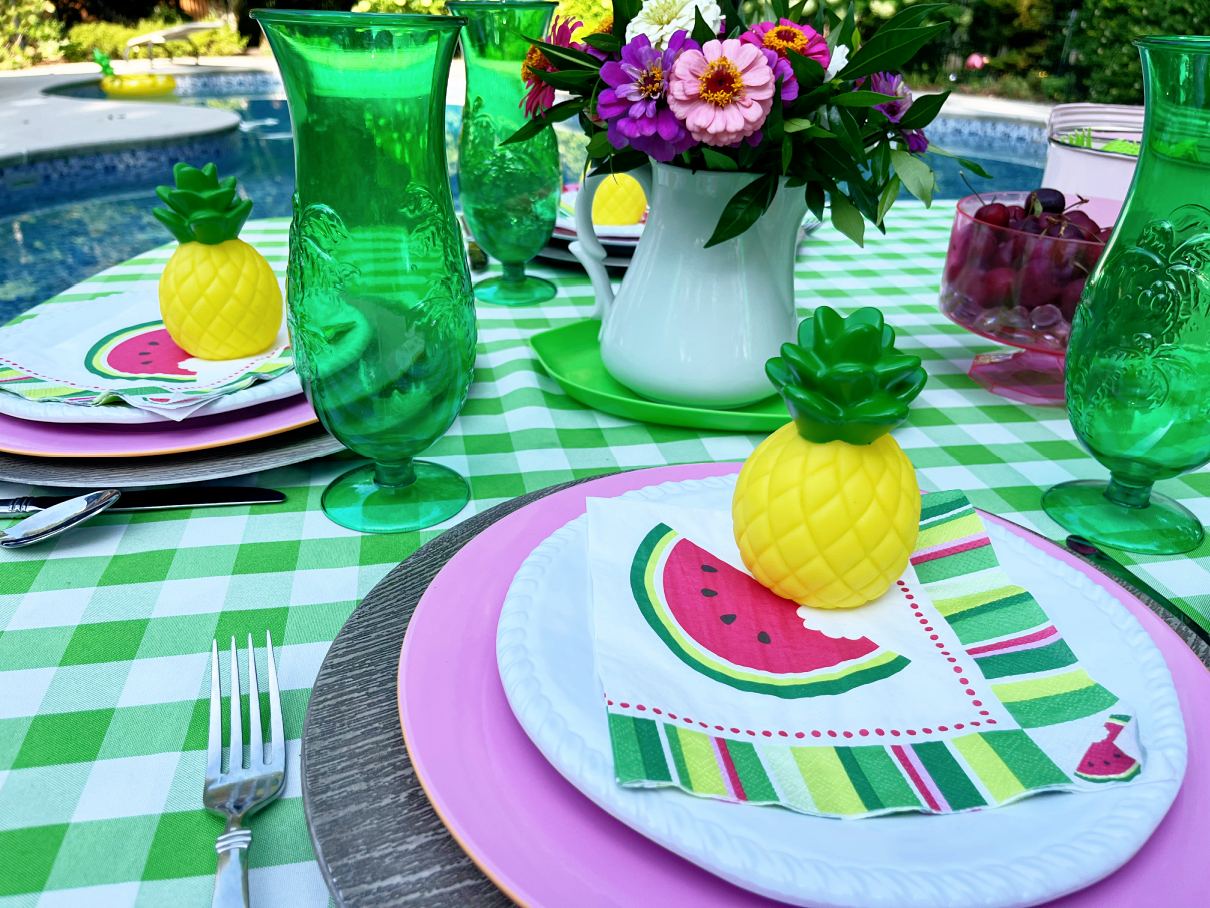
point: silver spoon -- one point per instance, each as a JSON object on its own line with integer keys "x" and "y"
{"x": 54, "y": 520}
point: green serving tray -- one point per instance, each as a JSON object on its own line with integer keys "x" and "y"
{"x": 572, "y": 357}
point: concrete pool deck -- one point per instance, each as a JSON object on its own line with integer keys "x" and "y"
{"x": 38, "y": 126}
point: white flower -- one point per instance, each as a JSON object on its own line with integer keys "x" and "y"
{"x": 659, "y": 20}
{"x": 840, "y": 56}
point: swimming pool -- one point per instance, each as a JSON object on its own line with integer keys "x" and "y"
{"x": 58, "y": 239}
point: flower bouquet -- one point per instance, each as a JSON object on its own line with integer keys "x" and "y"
{"x": 690, "y": 84}
{"x": 735, "y": 132}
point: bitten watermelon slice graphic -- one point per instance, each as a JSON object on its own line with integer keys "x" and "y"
{"x": 1104, "y": 761}
{"x": 723, "y": 623}
{"x": 142, "y": 352}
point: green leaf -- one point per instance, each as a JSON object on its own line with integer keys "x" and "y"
{"x": 744, "y": 209}
{"x": 831, "y": 158}
{"x": 716, "y": 160}
{"x": 774, "y": 126}
{"x": 815, "y": 200}
{"x": 847, "y": 131}
{"x": 808, "y": 72}
{"x": 923, "y": 111}
{"x": 787, "y": 154}
{"x": 608, "y": 44}
{"x": 911, "y": 16}
{"x": 974, "y": 168}
{"x": 916, "y": 175}
{"x": 627, "y": 159}
{"x": 861, "y": 99}
{"x": 888, "y": 197}
{"x": 781, "y": 9}
{"x": 889, "y": 50}
{"x": 702, "y": 32}
{"x": 573, "y": 80}
{"x": 564, "y": 110}
{"x": 811, "y": 129}
{"x": 844, "y": 34}
{"x": 598, "y": 145}
{"x": 566, "y": 57}
{"x": 733, "y": 19}
{"x": 847, "y": 219}
{"x": 623, "y": 12}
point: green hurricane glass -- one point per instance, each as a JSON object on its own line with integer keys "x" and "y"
{"x": 380, "y": 308}
{"x": 510, "y": 194}
{"x": 1138, "y": 362}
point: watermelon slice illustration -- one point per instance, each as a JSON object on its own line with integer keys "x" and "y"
{"x": 1104, "y": 761}
{"x": 724, "y": 624}
{"x": 141, "y": 352}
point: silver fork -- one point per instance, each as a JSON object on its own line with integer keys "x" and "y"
{"x": 240, "y": 792}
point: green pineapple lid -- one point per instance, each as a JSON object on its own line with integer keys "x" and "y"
{"x": 844, "y": 380}
{"x": 201, "y": 209}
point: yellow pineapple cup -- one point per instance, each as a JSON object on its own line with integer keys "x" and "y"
{"x": 218, "y": 296}
{"x": 827, "y": 509}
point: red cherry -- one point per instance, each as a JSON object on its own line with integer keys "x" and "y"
{"x": 1086, "y": 224}
{"x": 994, "y": 214}
{"x": 1070, "y": 298}
{"x": 1039, "y": 284}
{"x": 1105, "y": 233}
{"x": 1016, "y": 213}
{"x": 1033, "y": 224}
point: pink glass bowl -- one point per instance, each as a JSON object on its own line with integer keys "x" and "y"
{"x": 1019, "y": 289}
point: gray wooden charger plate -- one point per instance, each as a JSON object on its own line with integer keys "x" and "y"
{"x": 266, "y": 453}
{"x": 378, "y": 841}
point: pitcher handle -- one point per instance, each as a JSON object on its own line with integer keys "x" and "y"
{"x": 588, "y": 249}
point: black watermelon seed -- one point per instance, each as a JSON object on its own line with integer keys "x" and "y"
{"x": 712, "y": 570}
{"x": 145, "y": 362}
{"x": 709, "y": 592}
{"x": 763, "y": 637}
{"x": 145, "y": 353}
{"x": 153, "y": 343}
{"x": 726, "y": 619}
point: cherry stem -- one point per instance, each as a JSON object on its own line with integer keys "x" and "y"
{"x": 971, "y": 188}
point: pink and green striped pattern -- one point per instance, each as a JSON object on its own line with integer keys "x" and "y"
{"x": 975, "y": 770}
{"x": 1034, "y": 672}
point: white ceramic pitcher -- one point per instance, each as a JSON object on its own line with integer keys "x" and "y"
{"x": 690, "y": 325}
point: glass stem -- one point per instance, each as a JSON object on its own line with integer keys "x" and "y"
{"x": 394, "y": 475}
{"x": 514, "y": 272}
{"x": 1128, "y": 494}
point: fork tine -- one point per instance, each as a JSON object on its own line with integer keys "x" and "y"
{"x": 235, "y": 761}
{"x": 214, "y": 745}
{"x": 256, "y": 735}
{"x": 276, "y": 730}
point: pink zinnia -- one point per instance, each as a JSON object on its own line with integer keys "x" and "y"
{"x": 785, "y": 35}
{"x": 723, "y": 92}
{"x": 540, "y": 97}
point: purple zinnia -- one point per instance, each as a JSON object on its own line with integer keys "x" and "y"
{"x": 635, "y": 103}
{"x": 892, "y": 84}
{"x": 781, "y": 67}
{"x": 917, "y": 141}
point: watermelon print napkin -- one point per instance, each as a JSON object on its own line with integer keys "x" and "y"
{"x": 952, "y": 692}
{"x": 116, "y": 350}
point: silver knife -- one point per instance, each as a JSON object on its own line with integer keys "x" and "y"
{"x": 154, "y": 499}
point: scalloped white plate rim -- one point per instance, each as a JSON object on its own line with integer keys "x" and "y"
{"x": 713, "y": 835}
{"x": 263, "y": 392}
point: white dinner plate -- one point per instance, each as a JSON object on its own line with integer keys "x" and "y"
{"x": 1022, "y": 854}
{"x": 262, "y": 392}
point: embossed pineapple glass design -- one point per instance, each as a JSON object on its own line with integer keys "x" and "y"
{"x": 1138, "y": 362}
{"x": 380, "y": 307}
{"x": 510, "y": 193}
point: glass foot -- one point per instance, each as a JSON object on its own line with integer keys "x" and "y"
{"x": 1162, "y": 527}
{"x": 427, "y": 494}
{"x": 529, "y": 291}
{"x": 1027, "y": 376}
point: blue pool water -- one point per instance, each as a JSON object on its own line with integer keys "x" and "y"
{"x": 58, "y": 240}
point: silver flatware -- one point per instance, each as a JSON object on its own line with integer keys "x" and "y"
{"x": 1134, "y": 583}
{"x": 241, "y": 791}
{"x": 52, "y": 521}
{"x": 154, "y": 499}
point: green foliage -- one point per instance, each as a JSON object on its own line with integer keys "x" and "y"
{"x": 1111, "y": 67}
{"x": 591, "y": 12}
{"x": 29, "y": 33}
{"x": 110, "y": 39}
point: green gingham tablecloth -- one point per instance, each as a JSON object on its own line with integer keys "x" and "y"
{"x": 104, "y": 672}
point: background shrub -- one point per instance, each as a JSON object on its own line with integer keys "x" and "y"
{"x": 29, "y": 33}
{"x": 110, "y": 38}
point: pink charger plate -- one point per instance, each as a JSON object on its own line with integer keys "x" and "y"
{"x": 548, "y": 846}
{"x": 48, "y": 439}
